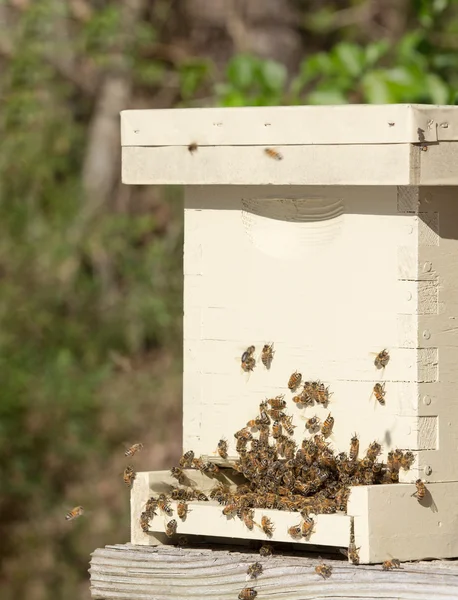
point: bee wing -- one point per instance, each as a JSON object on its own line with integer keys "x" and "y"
{"x": 344, "y": 551}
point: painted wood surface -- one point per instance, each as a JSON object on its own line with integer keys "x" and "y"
{"x": 168, "y": 573}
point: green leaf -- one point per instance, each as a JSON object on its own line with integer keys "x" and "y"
{"x": 241, "y": 71}
{"x": 326, "y": 97}
{"x": 376, "y": 88}
{"x": 375, "y": 51}
{"x": 351, "y": 58}
{"x": 273, "y": 75}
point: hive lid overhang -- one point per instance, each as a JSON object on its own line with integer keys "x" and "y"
{"x": 291, "y": 125}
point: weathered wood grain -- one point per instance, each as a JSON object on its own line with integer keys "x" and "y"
{"x": 168, "y": 572}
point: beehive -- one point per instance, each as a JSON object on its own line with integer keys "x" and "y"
{"x": 338, "y": 244}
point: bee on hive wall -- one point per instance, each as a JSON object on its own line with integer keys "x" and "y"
{"x": 420, "y": 493}
{"x": 382, "y": 359}
{"x": 171, "y": 528}
{"x": 248, "y": 362}
{"x": 272, "y": 153}
{"x": 74, "y": 513}
{"x": 179, "y": 475}
{"x": 267, "y": 355}
{"x": 133, "y": 449}
{"x": 327, "y": 426}
{"x": 313, "y": 424}
{"x": 222, "y": 448}
{"x": 294, "y": 381}
{"x": 182, "y": 510}
{"x": 129, "y": 476}
{"x": 186, "y": 459}
{"x": 379, "y": 393}
{"x": 295, "y": 531}
{"x": 164, "y": 505}
{"x": 144, "y": 522}
{"x": 354, "y": 447}
{"x": 267, "y": 526}
{"x": 307, "y": 527}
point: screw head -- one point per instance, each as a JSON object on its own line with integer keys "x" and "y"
{"x": 427, "y": 267}
{"x": 428, "y": 470}
{"x": 426, "y": 334}
{"x": 427, "y": 400}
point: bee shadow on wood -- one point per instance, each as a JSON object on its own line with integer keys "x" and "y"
{"x": 428, "y": 502}
{"x": 387, "y": 438}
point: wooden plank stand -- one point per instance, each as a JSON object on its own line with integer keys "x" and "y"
{"x": 331, "y": 233}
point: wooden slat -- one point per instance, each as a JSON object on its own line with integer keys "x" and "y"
{"x": 167, "y": 573}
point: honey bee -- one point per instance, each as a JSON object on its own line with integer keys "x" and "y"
{"x": 248, "y": 593}
{"x": 267, "y": 355}
{"x": 322, "y": 394}
{"x": 150, "y": 507}
{"x": 74, "y": 513}
{"x": 129, "y": 476}
{"x": 243, "y": 434}
{"x": 379, "y": 393}
{"x": 278, "y": 402}
{"x": 407, "y": 460}
{"x": 230, "y": 509}
{"x": 373, "y": 451}
{"x": 382, "y": 359}
{"x": 254, "y": 570}
{"x": 276, "y": 430}
{"x": 352, "y": 554}
{"x": 192, "y": 147}
{"x": 249, "y": 364}
{"x": 133, "y": 449}
{"x": 253, "y": 424}
{"x": 276, "y": 414}
{"x": 164, "y": 506}
{"x": 327, "y": 426}
{"x": 354, "y": 448}
{"x": 267, "y": 526}
{"x": 272, "y": 153}
{"x": 182, "y": 510}
{"x": 171, "y": 528}
{"x": 420, "y": 493}
{"x": 307, "y": 526}
{"x": 144, "y": 522}
{"x": 312, "y": 424}
{"x": 179, "y": 475}
{"x": 182, "y": 540}
{"x": 211, "y": 468}
{"x": 264, "y": 436}
{"x": 199, "y": 464}
{"x": 295, "y": 531}
{"x": 394, "y": 563}
{"x": 186, "y": 459}
{"x": 266, "y": 550}
{"x": 288, "y": 425}
{"x": 324, "y": 570}
{"x": 201, "y": 497}
{"x": 248, "y": 518}
{"x": 295, "y": 380}
{"x": 222, "y": 448}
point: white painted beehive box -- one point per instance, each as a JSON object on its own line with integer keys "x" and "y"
{"x": 345, "y": 247}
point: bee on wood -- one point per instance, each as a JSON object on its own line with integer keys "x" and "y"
{"x": 323, "y": 570}
{"x": 266, "y": 550}
{"x": 230, "y": 509}
{"x": 295, "y": 531}
{"x": 171, "y": 528}
{"x": 179, "y": 475}
{"x": 382, "y": 359}
{"x": 277, "y": 402}
{"x": 186, "y": 459}
{"x": 133, "y": 449}
{"x": 222, "y": 448}
{"x": 249, "y": 364}
{"x": 192, "y": 147}
{"x": 407, "y": 460}
{"x": 254, "y": 570}
{"x": 199, "y": 464}
{"x": 312, "y": 424}
{"x": 248, "y": 593}
{"x": 164, "y": 505}
{"x": 354, "y": 447}
{"x": 211, "y": 468}
{"x": 394, "y": 563}
{"x": 248, "y": 518}
{"x": 267, "y": 526}
{"x": 267, "y": 355}
{"x": 264, "y": 417}
{"x": 420, "y": 493}
{"x": 307, "y": 526}
{"x": 144, "y": 521}
{"x": 294, "y": 381}
{"x": 322, "y": 394}
{"x": 276, "y": 430}
{"x": 288, "y": 425}
{"x": 247, "y": 355}
{"x": 150, "y": 507}
{"x": 201, "y": 497}
{"x": 74, "y": 513}
{"x": 264, "y": 436}
{"x": 243, "y": 434}
{"x": 182, "y": 510}
{"x": 373, "y": 451}
{"x": 276, "y": 414}
{"x": 352, "y": 554}
{"x": 327, "y": 426}
{"x": 379, "y": 393}
{"x": 129, "y": 476}
{"x": 272, "y": 153}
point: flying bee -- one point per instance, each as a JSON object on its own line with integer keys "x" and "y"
{"x": 407, "y": 460}
{"x": 420, "y": 493}
{"x": 352, "y": 554}
{"x": 278, "y": 402}
{"x": 249, "y": 364}
{"x": 267, "y": 526}
{"x": 394, "y": 563}
{"x": 179, "y": 475}
{"x": 133, "y": 449}
{"x": 354, "y": 447}
{"x": 323, "y": 570}
{"x": 171, "y": 528}
{"x": 294, "y": 381}
{"x": 272, "y": 153}
{"x": 382, "y": 359}
{"x": 222, "y": 448}
{"x": 312, "y": 424}
{"x": 254, "y": 570}
{"x": 186, "y": 459}
{"x": 129, "y": 476}
{"x": 288, "y": 425}
{"x": 267, "y": 355}
{"x": 379, "y": 393}
{"x": 74, "y": 513}
{"x": 327, "y": 426}
{"x": 164, "y": 506}
{"x": 248, "y": 593}
{"x": 182, "y": 510}
{"x": 295, "y": 531}
{"x": 248, "y": 354}
{"x": 307, "y": 526}
{"x": 192, "y": 147}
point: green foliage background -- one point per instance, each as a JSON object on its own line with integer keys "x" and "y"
{"x": 89, "y": 361}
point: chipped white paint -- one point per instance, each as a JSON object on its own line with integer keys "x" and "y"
{"x": 337, "y": 258}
